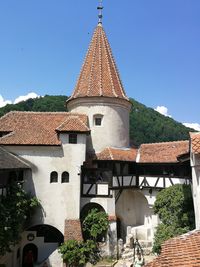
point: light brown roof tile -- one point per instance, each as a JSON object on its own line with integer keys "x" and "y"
{"x": 181, "y": 251}
{"x": 99, "y": 75}
{"x": 38, "y": 128}
{"x": 163, "y": 152}
{"x": 117, "y": 154}
{"x": 195, "y": 142}
{"x": 74, "y": 124}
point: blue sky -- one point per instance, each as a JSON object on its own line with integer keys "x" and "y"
{"x": 156, "y": 45}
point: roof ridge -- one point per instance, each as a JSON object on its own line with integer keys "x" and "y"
{"x": 83, "y": 123}
{"x": 167, "y": 142}
{"x": 111, "y": 155}
{"x": 114, "y": 63}
{"x": 93, "y": 61}
{"x": 104, "y": 44}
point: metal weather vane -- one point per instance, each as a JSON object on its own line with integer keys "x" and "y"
{"x": 100, "y": 9}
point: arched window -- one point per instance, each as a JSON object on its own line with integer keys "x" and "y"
{"x": 54, "y": 177}
{"x": 65, "y": 177}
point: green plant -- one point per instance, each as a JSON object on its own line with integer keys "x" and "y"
{"x": 95, "y": 225}
{"x": 15, "y": 208}
{"x": 174, "y": 206}
{"x": 78, "y": 253}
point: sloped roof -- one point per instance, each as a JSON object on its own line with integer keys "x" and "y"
{"x": 39, "y": 128}
{"x": 195, "y": 142}
{"x": 10, "y": 161}
{"x": 166, "y": 152}
{"x": 73, "y": 124}
{"x": 99, "y": 75}
{"x": 117, "y": 154}
{"x": 181, "y": 251}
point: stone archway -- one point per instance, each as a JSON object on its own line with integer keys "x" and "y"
{"x": 131, "y": 210}
{"x": 46, "y": 239}
{"x": 84, "y": 212}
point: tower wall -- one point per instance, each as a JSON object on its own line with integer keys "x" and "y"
{"x": 114, "y": 128}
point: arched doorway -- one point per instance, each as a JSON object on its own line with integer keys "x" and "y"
{"x": 43, "y": 240}
{"x": 84, "y": 212}
{"x": 30, "y": 255}
{"x": 131, "y": 210}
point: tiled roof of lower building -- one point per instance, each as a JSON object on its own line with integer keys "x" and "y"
{"x": 39, "y": 128}
{"x": 166, "y": 152}
{"x": 195, "y": 142}
{"x": 181, "y": 251}
{"x": 9, "y": 161}
{"x": 110, "y": 153}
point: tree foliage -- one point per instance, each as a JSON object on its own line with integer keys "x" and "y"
{"x": 46, "y": 103}
{"x": 149, "y": 126}
{"x": 15, "y": 208}
{"x": 174, "y": 206}
{"x": 95, "y": 225}
{"x": 146, "y": 124}
{"x": 78, "y": 253}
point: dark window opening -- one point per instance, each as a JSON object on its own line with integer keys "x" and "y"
{"x": 98, "y": 121}
{"x": 54, "y": 177}
{"x": 72, "y": 138}
{"x": 65, "y": 177}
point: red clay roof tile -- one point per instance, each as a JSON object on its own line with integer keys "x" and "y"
{"x": 162, "y": 152}
{"x": 195, "y": 142}
{"x": 38, "y": 128}
{"x": 181, "y": 251}
{"x": 99, "y": 75}
{"x": 73, "y": 124}
{"x": 117, "y": 154}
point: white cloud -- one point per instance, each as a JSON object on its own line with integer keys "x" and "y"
{"x": 4, "y": 102}
{"x": 163, "y": 110}
{"x": 25, "y": 97}
{"x": 195, "y": 126}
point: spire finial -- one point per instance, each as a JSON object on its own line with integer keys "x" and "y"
{"x": 100, "y": 8}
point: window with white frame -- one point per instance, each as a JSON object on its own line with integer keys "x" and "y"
{"x": 98, "y": 120}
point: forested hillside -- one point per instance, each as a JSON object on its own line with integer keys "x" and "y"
{"x": 146, "y": 124}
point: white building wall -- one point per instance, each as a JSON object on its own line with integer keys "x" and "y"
{"x": 114, "y": 131}
{"x": 195, "y": 164}
{"x": 59, "y": 201}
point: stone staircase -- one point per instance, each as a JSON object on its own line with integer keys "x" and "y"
{"x": 138, "y": 239}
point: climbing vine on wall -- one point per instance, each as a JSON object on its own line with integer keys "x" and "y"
{"x": 16, "y": 208}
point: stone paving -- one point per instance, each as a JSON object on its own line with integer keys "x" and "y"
{"x": 126, "y": 263}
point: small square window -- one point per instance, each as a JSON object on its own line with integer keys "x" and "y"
{"x": 98, "y": 121}
{"x": 72, "y": 138}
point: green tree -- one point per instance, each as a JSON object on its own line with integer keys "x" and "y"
{"x": 174, "y": 206}
{"x": 95, "y": 225}
{"x": 15, "y": 208}
{"x": 78, "y": 253}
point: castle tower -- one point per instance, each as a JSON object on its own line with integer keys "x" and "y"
{"x": 100, "y": 95}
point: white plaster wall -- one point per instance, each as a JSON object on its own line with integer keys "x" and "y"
{"x": 59, "y": 201}
{"x": 114, "y": 131}
{"x": 107, "y": 203}
{"x": 132, "y": 208}
{"x": 195, "y": 164}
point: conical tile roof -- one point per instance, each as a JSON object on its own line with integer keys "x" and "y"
{"x": 99, "y": 75}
